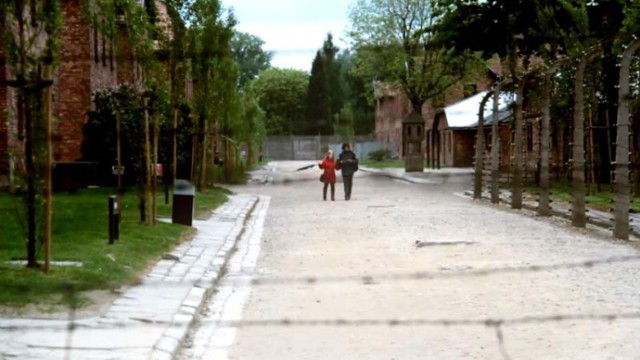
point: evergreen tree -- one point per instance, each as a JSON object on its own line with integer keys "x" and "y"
{"x": 325, "y": 95}
{"x": 318, "y": 109}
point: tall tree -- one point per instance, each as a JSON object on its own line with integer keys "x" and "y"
{"x": 252, "y": 130}
{"x": 325, "y": 96}
{"x": 250, "y": 56}
{"x": 318, "y": 107}
{"x": 358, "y": 94}
{"x": 282, "y": 94}
{"x": 178, "y": 67}
{"x": 132, "y": 27}
{"x": 211, "y": 33}
{"x": 394, "y": 41}
{"x": 31, "y": 36}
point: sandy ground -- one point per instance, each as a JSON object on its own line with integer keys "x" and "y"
{"x": 368, "y": 302}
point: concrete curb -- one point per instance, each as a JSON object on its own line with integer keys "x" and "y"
{"x": 429, "y": 178}
{"x": 173, "y": 337}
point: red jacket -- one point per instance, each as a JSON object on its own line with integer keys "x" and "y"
{"x": 329, "y": 167}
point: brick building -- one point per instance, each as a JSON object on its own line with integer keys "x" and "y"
{"x": 445, "y": 144}
{"x": 392, "y": 106}
{"x": 88, "y": 63}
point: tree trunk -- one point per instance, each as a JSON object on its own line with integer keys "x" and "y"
{"x": 119, "y": 153}
{"x": 120, "y": 190}
{"x": 174, "y": 156}
{"x": 154, "y": 165}
{"x": 479, "y": 165}
{"x": 48, "y": 199}
{"x": 147, "y": 156}
{"x": 202, "y": 181}
{"x": 578, "y": 212}
{"x": 622, "y": 197}
{"x": 31, "y": 180}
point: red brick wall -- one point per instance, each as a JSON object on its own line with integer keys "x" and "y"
{"x": 391, "y": 109}
{"x": 73, "y": 99}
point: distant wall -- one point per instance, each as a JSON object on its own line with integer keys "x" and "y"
{"x": 314, "y": 147}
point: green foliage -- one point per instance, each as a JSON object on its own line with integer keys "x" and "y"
{"x": 31, "y": 45}
{"x": 216, "y": 106}
{"x": 325, "y": 95}
{"x": 631, "y": 22}
{"x": 30, "y": 26}
{"x": 100, "y": 130}
{"x": 318, "y": 107}
{"x": 127, "y": 17}
{"x": 343, "y": 124}
{"x": 250, "y": 56}
{"x": 282, "y": 94}
{"x": 358, "y": 92}
{"x": 252, "y": 128}
{"x": 514, "y": 29}
{"x": 395, "y": 44}
{"x": 379, "y": 155}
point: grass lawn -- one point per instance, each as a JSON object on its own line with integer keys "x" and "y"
{"x": 602, "y": 200}
{"x": 80, "y": 234}
{"x": 383, "y": 164}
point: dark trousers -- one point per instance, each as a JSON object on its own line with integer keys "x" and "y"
{"x": 348, "y": 184}
{"x": 333, "y": 191}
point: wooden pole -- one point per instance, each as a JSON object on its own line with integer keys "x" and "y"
{"x": 147, "y": 156}
{"x": 622, "y": 195}
{"x": 174, "y": 163}
{"x": 48, "y": 199}
{"x": 154, "y": 166}
{"x": 118, "y": 152}
{"x": 543, "y": 201}
{"x": 479, "y": 161}
{"x": 578, "y": 209}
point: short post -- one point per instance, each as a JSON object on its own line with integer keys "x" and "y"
{"x": 114, "y": 223}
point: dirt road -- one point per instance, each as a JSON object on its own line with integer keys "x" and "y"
{"x": 399, "y": 273}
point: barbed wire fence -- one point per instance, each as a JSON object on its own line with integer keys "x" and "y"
{"x": 72, "y": 300}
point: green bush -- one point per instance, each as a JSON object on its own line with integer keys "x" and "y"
{"x": 379, "y": 155}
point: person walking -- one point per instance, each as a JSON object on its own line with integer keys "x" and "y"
{"x": 328, "y": 177}
{"x": 348, "y": 164}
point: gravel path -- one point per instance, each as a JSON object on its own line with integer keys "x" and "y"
{"x": 400, "y": 273}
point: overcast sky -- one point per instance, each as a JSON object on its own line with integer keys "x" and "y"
{"x": 292, "y": 29}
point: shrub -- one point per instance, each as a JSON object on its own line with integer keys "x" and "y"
{"x": 379, "y": 155}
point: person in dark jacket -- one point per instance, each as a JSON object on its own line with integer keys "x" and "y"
{"x": 328, "y": 164}
{"x": 348, "y": 164}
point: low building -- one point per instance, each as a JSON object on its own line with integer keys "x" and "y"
{"x": 451, "y": 140}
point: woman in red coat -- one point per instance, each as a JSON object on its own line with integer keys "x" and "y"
{"x": 328, "y": 164}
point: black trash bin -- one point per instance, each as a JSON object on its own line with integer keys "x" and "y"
{"x": 183, "y": 202}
